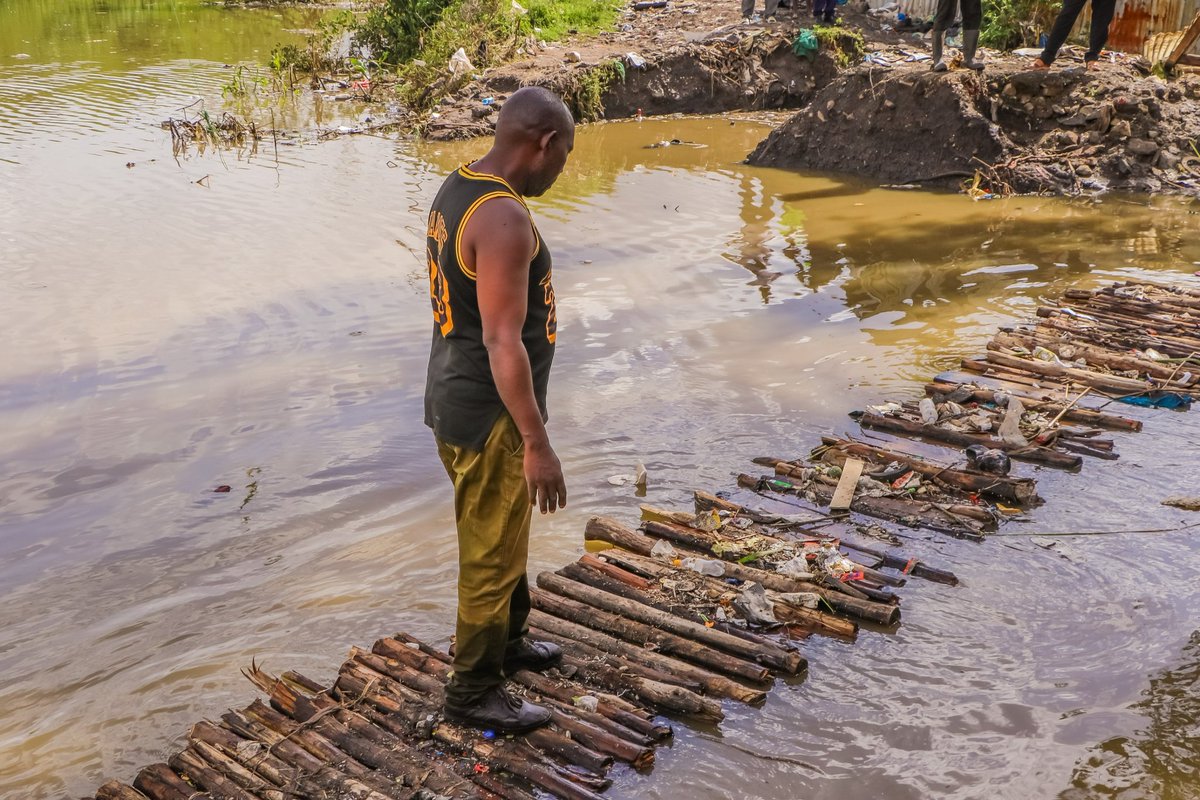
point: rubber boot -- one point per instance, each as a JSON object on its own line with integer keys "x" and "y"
{"x": 939, "y": 42}
{"x": 970, "y": 45}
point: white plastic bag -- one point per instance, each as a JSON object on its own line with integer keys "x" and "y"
{"x": 460, "y": 64}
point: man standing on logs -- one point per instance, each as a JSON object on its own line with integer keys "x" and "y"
{"x": 485, "y": 397}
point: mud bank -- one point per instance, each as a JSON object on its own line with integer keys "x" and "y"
{"x": 1061, "y": 132}
{"x": 729, "y": 69}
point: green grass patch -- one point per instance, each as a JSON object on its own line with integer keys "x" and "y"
{"x": 551, "y": 20}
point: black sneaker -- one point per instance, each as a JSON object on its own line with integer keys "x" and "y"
{"x": 499, "y": 710}
{"x": 528, "y": 654}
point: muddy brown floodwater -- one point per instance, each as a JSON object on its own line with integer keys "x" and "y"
{"x": 267, "y": 330}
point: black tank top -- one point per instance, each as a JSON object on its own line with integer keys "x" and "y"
{"x": 461, "y": 400}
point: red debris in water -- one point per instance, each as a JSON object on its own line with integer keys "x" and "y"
{"x": 222, "y": 489}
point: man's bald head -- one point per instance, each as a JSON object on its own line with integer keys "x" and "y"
{"x": 530, "y": 113}
{"x": 534, "y": 133}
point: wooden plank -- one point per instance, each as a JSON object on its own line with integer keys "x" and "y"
{"x": 843, "y": 495}
{"x": 1178, "y": 55}
{"x": 1189, "y": 60}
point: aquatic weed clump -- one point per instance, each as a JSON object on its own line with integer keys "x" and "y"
{"x": 845, "y": 45}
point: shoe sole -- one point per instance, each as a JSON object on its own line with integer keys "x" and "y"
{"x": 492, "y": 726}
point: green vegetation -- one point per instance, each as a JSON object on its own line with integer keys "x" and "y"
{"x": 418, "y": 37}
{"x": 845, "y": 45}
{"x": 583, "y": 97}
{"x": 550, "y": 20}
{"x": 1009, "y": 24}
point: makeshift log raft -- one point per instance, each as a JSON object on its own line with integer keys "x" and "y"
{"x": 1044, "y": 393}
{"x": 696, "y": 609}
{"x": 671, "y": 620}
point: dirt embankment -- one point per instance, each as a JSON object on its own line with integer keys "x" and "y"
{"x": 1066, "y": 131}
{"x": 731, "y": 68}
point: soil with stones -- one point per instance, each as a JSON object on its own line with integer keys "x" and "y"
{"x": 1020, "y": 130}
{"x": 691, "y": 57}
{"x": 881, "y": 114}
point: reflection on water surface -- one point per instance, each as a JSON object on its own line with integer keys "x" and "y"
{"x": 269, "y": 326}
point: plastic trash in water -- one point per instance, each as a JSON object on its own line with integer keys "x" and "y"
{"x": 795, "y": 568}
{"x": 929, "y": 415}
{"x": 705, "y": 566}
{"x": 663, "y": 549}
{"x": 1168, "y": 400}
{"x": 635, "y": 61}
{"x": 753, "y": 604}
{"x": 801, "y": 599}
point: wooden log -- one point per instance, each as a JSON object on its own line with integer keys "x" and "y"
{"x": 296, "y": 757}
{"x": 354, "y": 735}
{"x": 1036, "y": 455}
{"x": 980, "y": 515}
{"x": 230, "y": 769}
{"x": 714, "y": 684}
{"x": 160, "y": 782}
{"x": 640, "y": 633}
{"x": 1098, "y": 380}
{"x": 505, "y": 754}
{"x": 1093, "y": 354}
{"x": 592, "y": 562}
{"x": 1084, "y": 416}
{"x": 643, "y": 635}
{"x": 905, "y": 512}
{"x": 808, "y": 616}
{"x": 603, "y": 529}
{"x": 1014, "y": 490}
{"x": 115, "y": 790}
{"x": 190, "y": 763}
{"x": 776, "y": 657}
{"x": 607, "y": 706}
{"x": 253, "y": 757}
{"x": 910, "y": 566}
{"x": 856, "y": 607}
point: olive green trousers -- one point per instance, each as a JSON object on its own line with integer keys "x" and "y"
{"x": 492, "y": 512}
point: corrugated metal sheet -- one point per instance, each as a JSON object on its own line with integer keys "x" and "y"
{"x": 922, "y": 9}
{"x": 1135, "y": 21}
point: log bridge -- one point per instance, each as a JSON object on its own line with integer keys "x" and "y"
{"x": 673, "y": 619}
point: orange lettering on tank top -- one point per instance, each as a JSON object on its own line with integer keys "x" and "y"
{"x": 439, "y": 291}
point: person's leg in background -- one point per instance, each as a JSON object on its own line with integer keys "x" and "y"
{"x": 1059, "y": 32}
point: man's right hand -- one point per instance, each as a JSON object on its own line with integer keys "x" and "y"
{"x": 544, "y": 478}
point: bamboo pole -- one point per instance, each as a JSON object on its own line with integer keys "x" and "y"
{"x": 1037, "y": 455}
{"x": 115, "y": 790}
{"x": 1016, "y": 490}
{"x": 200, "y": 772}
{"x": 638, "y": 633}
{"x": 160, "y": 782}
{"x": 391, "y": 696}
{"x": 841, "y": 602}
{"x": 910, "y": 566}
{"x": 289, "y": 752}
{"x": 714, "y": 684}
{"x": 787, "y": 661}
{"x": 1084, "y": 416}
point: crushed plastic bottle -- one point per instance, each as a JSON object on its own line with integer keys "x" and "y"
{"x": 929, "y": 415}
{"x": 795, "y": 568}
{"x": 705, "y": 566}
{"x": 663, "y": 549}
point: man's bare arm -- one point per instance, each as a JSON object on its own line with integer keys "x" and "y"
{"x": 499, "y": 241}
